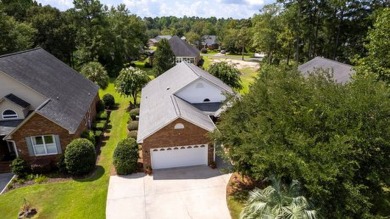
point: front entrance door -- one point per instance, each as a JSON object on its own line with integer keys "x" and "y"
{"x": 7, "y": 150}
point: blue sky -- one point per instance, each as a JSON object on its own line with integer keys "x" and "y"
{"x": 200, "y": 8}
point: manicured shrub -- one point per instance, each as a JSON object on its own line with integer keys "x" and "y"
{"x": 61, "y": 165}
{"x": 108, "y": 101}
{"x": 99, "y": 106}
{"x": 134, "y": 113}
{"x": 126, "y": 156}
{"x": 132, "y": 134}
{"x": 203, "y": 50}
{"x": 19, "y": 167}
{"x": 41, "y": 166}
{"x": 102, "y": 115}
{"x": 133, "y": 125}
{"x": 80, "y": 156}
{"x": 100, "y": 125}
{"x": 88, "y": 134}
{"x": 98, "y": 133}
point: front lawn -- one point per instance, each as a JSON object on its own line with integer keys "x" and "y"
{"x": 74, "y": 198}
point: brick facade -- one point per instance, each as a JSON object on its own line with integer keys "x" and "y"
{"x": 38, "y": 125}
{"x": 169, "y": 136}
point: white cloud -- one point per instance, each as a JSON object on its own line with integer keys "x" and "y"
{"x": 200, "y": 8}
{"x": 179, "y": 8}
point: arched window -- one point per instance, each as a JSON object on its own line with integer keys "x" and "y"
{"x": 10, "y": 114}
{"x": 206, "y": 100}
{"x": 179, "y": 126}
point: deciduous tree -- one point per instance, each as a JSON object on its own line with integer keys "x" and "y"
{"x": 164, "y": 58}
{"x": 130, "y": 82}
{"x": 95, "y": 72}
{"x": 333, "y": 138}
{"x": 228, "y": 73}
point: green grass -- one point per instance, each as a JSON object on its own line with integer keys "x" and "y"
{"x": 235, "y": 207}
{"x": 76, "y": 198}
{"x": 207, "y": 62}
{"x": 247, "y": 78}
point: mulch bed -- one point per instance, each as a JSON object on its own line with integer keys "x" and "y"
{"x": 241, "y": 185}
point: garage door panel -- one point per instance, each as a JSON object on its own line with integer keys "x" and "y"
{"x": 179, "y": 156}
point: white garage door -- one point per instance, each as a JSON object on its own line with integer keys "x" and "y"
{"x": 179, "y": 156}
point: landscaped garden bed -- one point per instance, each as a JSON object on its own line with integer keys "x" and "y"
{"x": 237, "y": 191}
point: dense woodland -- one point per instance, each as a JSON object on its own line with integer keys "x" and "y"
{"x": 294, "y": 30}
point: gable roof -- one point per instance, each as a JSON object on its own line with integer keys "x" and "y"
{"x": 17, "y": 100}
{"x": 209, "y": 40}
{"x": 341, "y": 72}
{"x": 7, "y": 126}
{"x": 181, "y": 48}
{"x": 160, "y": 106}
{"x": 160, "y": 37}
{"x": 69, "y": 93}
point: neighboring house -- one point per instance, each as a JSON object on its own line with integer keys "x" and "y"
{"x": 210, "y": 42}
{"x": 184, "y": 51}
{"x": 44, "y": 105}
{"x": 341, "y": 72}
{"x": 154, "y": 41}
{"x": 176, "y": 114}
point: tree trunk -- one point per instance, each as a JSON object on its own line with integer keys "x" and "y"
{"x": 338, "y": 34}
{"x": 242, "y": 53}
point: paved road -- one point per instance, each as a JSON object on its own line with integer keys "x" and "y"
{"x": 4, "y": 179}
{"x": 192, "y": 192}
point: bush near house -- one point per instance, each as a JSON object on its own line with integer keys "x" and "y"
{"x": 99, "y": 125}
{"x": 102, "y": 115}
{"x": 19, "y": 167}
{"x": 203, "y": 50}
{"x": 99, "y": 106}
{"x": 134, "y": 113}
{"x": 108, "y": 101}
{"x": 133, "y": 125}
{"x": 90, "y": 135}
{"x": 132, "y": 134}
{"x": 80, "y": 157}
{"x": 41, "y": 166}
{"x": 126, "y": 156}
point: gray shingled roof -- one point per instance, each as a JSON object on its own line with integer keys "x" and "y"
{"x": 182, "y": 49}
{"x": 69, "y": 93}
{"x": 17, "y": 100}
{"x": 8, "y": 126}
{"x": 341, "y": 72}
{"x": 209, "y": 40}
{"x": 160, "y": 106}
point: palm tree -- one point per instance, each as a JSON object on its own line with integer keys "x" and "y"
{"x": 278, "y": 201}
{"x": 95, "y": 72}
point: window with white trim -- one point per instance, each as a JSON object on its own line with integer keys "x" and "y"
{"x": 9, "y": 114}
{"x": 44, "y": 145}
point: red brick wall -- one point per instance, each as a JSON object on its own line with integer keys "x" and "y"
{"x": 38, "y": 125}
{"x": 168, "y": 137}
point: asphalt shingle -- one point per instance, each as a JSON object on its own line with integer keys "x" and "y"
{"x": 69, "y": 93}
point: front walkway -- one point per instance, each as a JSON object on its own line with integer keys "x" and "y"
{"x": 191, "y": 192}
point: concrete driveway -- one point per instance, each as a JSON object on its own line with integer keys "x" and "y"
{"x": 4, "y": 179}
{"x": 192, "y": 192}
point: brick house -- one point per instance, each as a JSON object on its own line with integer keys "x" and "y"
{"x": 176, "y": 115}
{"x": 44, "y": 105}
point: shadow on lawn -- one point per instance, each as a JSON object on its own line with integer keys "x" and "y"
{"x": 97, "y": 174}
